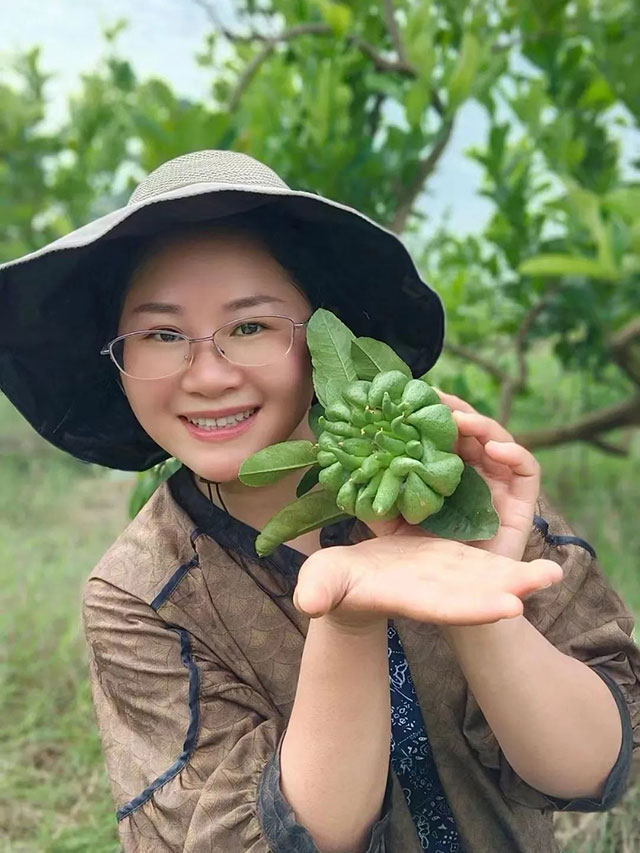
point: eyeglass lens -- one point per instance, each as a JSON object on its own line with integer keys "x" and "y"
{"x": 156, "y": 353}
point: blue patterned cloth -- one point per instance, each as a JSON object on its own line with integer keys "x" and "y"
{"x": 412, "y": 759}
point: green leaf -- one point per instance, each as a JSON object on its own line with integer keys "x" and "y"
{"x": 313, "y": 510}
{"x": 468, "y": 514}
{"x": 557, "y": 264}
{"x": 337, "y": 15}
{"x": 148, "y": 481}
{"x": 461, "y": 81}
{"x": 308, "y": 481}
{"x": 275, "y": 461}
{"x": 329, "y": 342}
{"x": 371, "y": 357}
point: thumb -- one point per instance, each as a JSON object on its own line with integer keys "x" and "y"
{"x": 321, "y": 585}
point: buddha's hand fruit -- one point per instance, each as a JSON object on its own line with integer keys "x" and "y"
{"x": 386, "y": 449}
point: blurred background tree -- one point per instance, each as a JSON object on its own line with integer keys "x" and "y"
{"x": 358, "y": 101}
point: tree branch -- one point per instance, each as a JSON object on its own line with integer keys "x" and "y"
{"x": 381, "y": 63}
{"x": 389, "y": 13}
{"x": 425, "y": 168}
{"x": 589, "y": 427}
{"x": 475, "y": 358}
{"x": 625, "y": 349}
{"x": 512, "y": 385}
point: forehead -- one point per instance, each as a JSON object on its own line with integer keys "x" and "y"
{"x": 210, "y": 271}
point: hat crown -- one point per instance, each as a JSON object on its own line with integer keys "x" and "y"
{"x": 210, "y": 167}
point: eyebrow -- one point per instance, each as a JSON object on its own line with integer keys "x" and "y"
{"x": 233, "y": 305}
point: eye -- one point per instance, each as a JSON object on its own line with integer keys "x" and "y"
{"x": 250, "y": 325}
{"x": 165, "y": 336}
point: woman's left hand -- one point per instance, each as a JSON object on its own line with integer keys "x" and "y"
{"x": 510, "y": 470}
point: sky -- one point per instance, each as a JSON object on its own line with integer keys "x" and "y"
{"x": 162, "y": 38}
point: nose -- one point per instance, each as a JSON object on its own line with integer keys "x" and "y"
{"x": 209, "y": 372}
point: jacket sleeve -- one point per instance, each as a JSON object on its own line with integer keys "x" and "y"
{"x": 583, "y": 617}
{"x": 192, "y": 753}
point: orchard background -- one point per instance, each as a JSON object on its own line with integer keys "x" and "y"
{"x": 359, "y": 101}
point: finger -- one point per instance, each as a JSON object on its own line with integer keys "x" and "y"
{"x": 320, "y": 587}
{"x": 518, "y": 458}
{"x": 480, "y": 426}
{"x": 454, "y": 403}
{"x": 533, "y": 576}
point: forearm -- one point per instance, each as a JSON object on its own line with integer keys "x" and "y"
{"x": 335, "y": 753}
{"x": 554, "y": 718}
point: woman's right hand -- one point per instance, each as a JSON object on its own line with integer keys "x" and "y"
{"x": 413, "y": 574}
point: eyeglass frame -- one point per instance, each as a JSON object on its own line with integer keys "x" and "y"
{"x": 107, "y": 349}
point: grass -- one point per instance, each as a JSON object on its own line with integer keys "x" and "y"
{"x": 57, "y": 516}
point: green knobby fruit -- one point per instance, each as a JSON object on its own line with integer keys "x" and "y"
{"x": 416, "y": 394}
{"x": 436, "y": 423}
{"x": 346, "y": 497}
{"x": 392, "y": 381}
{"x": 357, "y": 418}
{"x": 333, "y": 477}
{"x": 387, "y": 493}
{"x": 418, "y": 501}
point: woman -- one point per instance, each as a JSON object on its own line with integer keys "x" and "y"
{"x": 359, "y": 690}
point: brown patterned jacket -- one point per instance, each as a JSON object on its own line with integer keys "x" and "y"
{"x": 193, "y": 669}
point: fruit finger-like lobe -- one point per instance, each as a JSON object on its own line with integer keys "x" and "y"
{"x": 338, "y": 411}
{"x": 357, "y": 393}
{"x": 357, "y": 446}
{"x": 363, "y": 506}
{"x": 388, "y": 491}
{"x": 327, "y": 441}
{"x": 341, "y": 428}
{"x": 367, "y": 470}
{"x": 444, "y": 472}
{"x": 417, "y": 501}
{"x": 389, "y": 408}
{"x": 413, "y": 449}
{"x": 333, "y": 477}
{"x": 346, "y": 497}
{"x": 392, "y": 381}
{"x": 403, "y": 430}
{"x": 325, "y": 458}
{"x": 437, "y": 424}
{"x": 417, "y": 394}
{"x": 349, "y": 462}
{"x": 392, "y": 445}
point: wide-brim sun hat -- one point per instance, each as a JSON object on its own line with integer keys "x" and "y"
{"x": 55, "y": 302}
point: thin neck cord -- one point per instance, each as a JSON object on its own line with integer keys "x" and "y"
{"x": 208, "y": 482}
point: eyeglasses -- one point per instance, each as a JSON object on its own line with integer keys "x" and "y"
{"x": 158, "y": 353}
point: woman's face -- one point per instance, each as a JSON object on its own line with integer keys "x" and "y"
{"x": 198, "y": 276}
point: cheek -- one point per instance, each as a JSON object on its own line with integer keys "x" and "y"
{"x": 147, "y": 401}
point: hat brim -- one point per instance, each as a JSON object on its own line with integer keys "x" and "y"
{"x": 52, "y": 317}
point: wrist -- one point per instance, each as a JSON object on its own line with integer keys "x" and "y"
{"x": 354, "y": 624}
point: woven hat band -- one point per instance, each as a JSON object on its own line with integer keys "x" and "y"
{"x": 225, "y": 167}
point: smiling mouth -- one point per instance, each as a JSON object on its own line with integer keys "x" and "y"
{"x": 214, "y": 424}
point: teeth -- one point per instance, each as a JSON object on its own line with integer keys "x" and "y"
{"x": 214, "y": 423}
